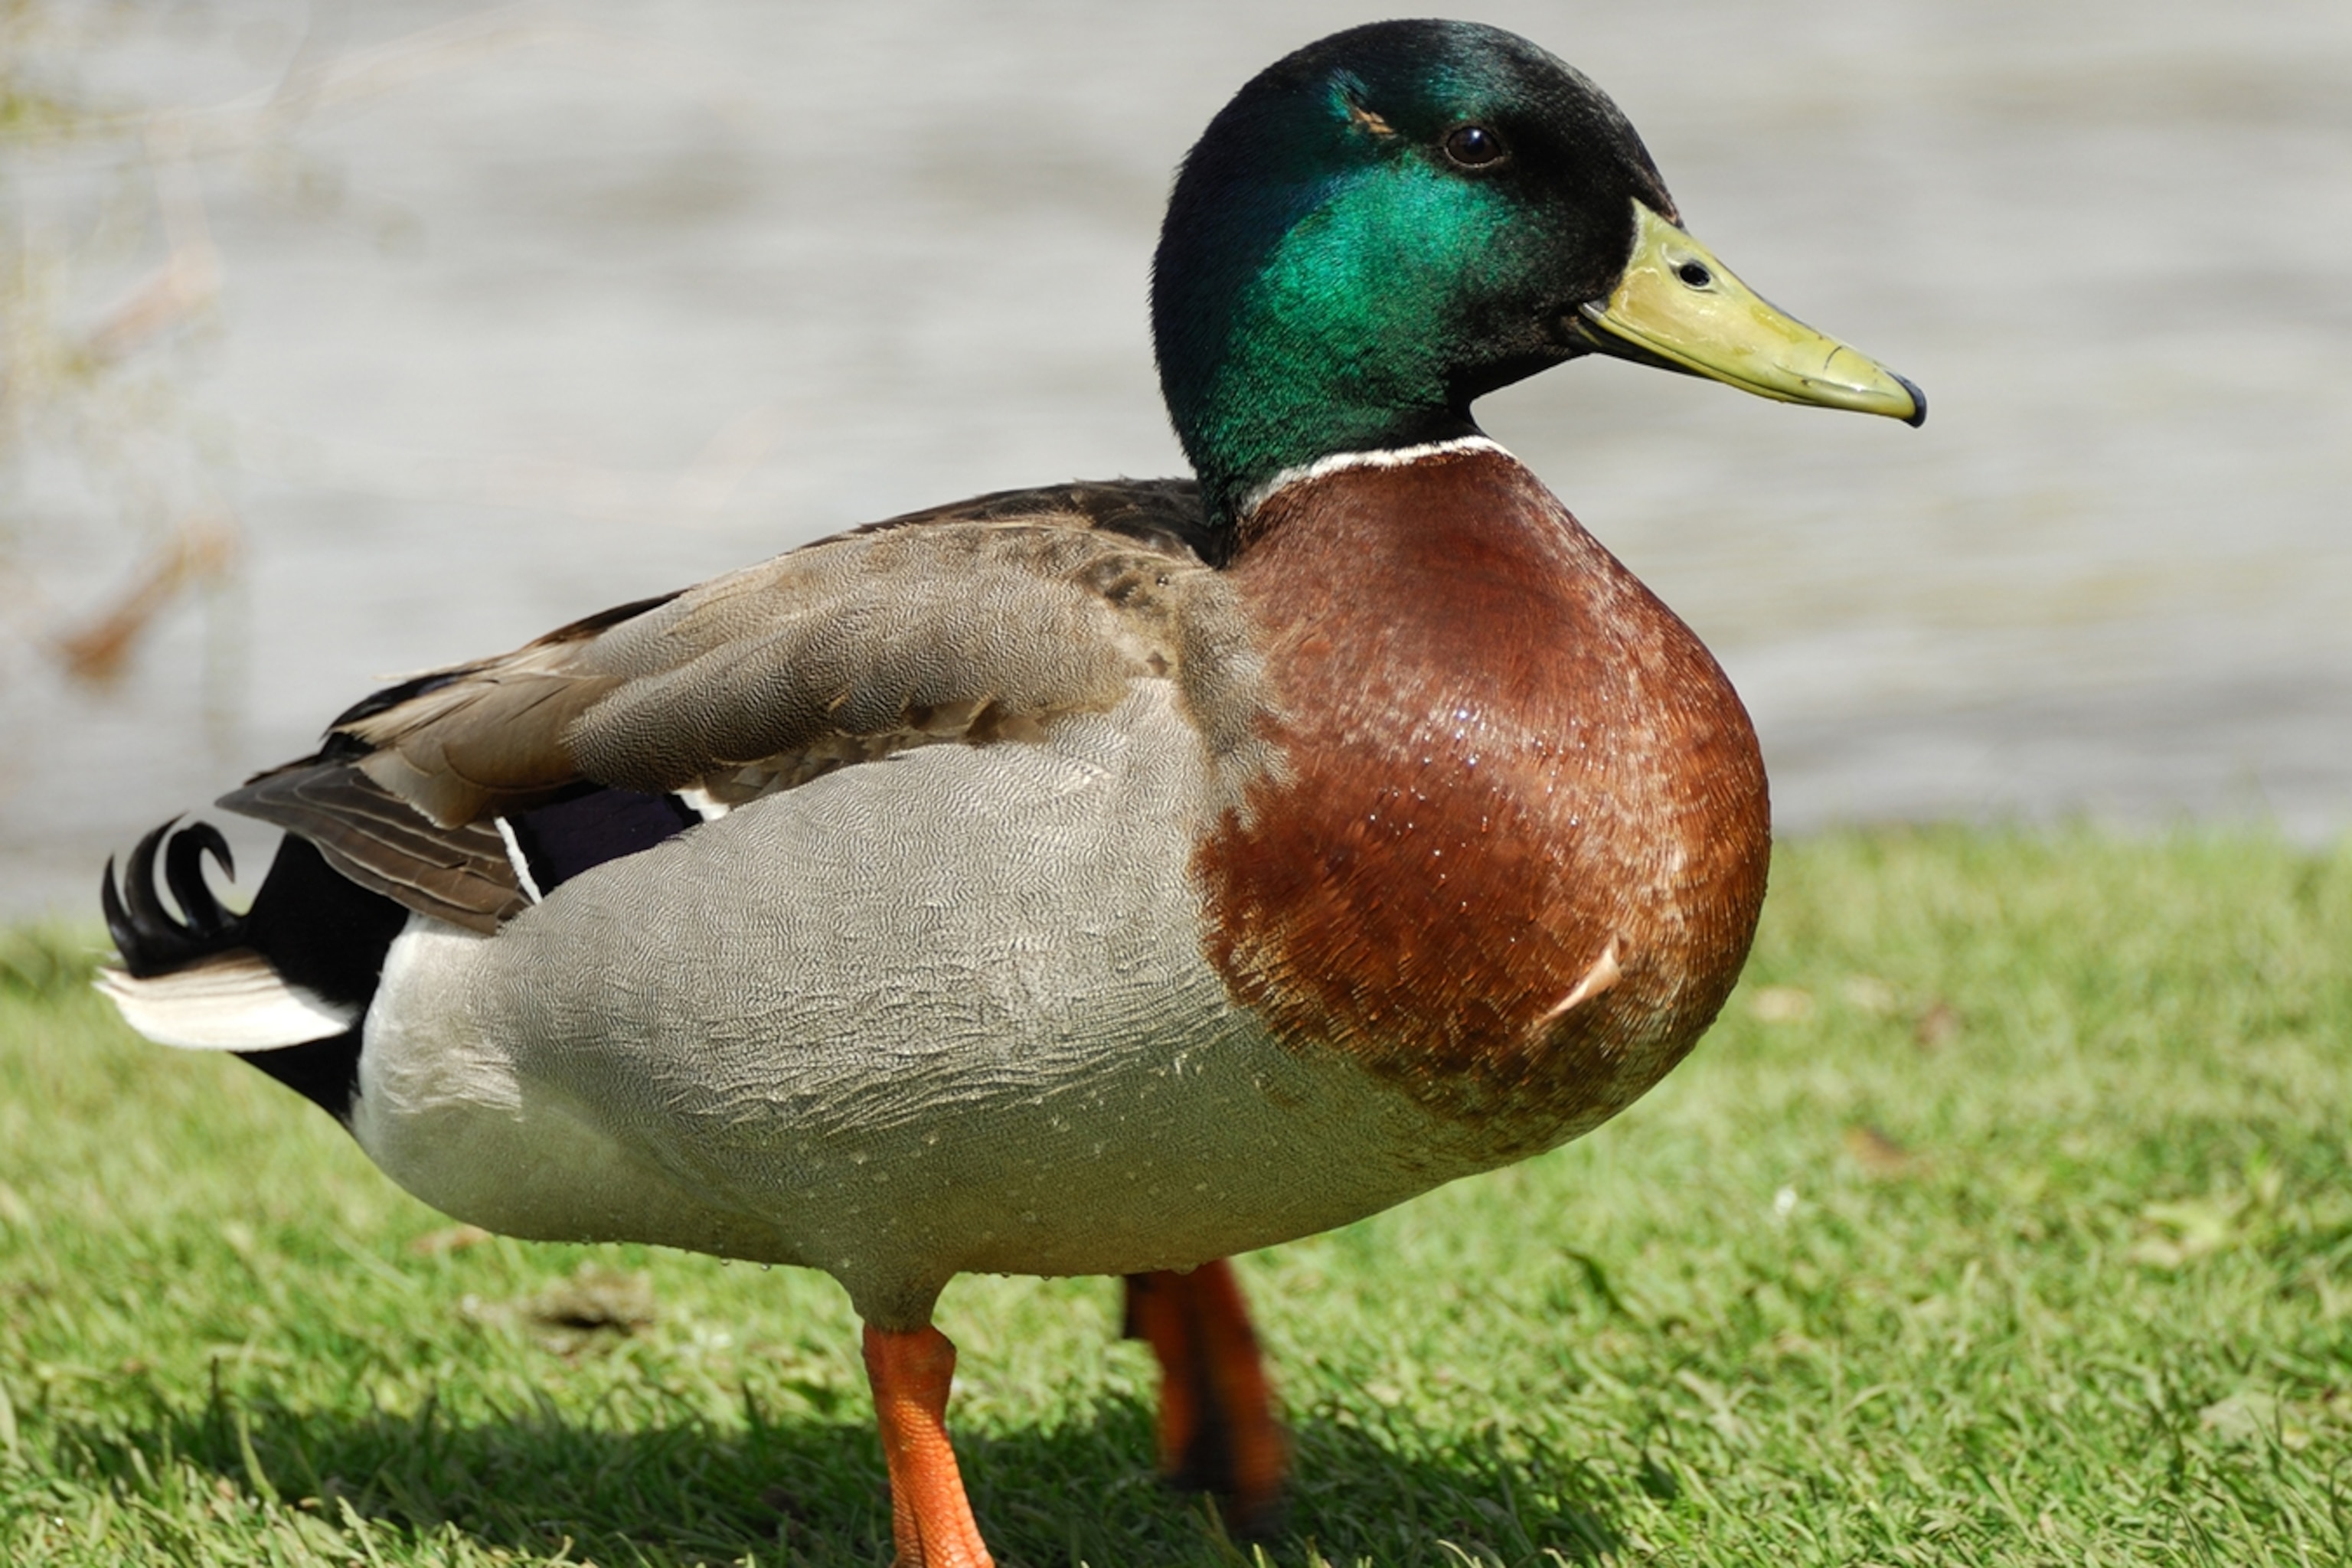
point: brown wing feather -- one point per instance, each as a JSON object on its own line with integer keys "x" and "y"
{"x": 968, "y": 623}
{"x": 954, "y": 631}
{"x": 456, "y": 874}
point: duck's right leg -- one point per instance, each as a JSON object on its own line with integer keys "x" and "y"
{"x": 910, "y": 1372}
{"x": 1219, "y": 1431}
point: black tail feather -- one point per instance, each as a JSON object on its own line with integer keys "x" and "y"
{"x": 151, "y": 940}
{"x": 183, "y": 873}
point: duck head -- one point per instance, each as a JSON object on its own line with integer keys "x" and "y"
{"x": 1402, "y": 217}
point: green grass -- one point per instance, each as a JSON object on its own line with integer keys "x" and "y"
{"x": 2005, "y": 1219}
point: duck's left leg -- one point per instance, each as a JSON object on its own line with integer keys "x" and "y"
{"x": 1218, "y": 1428}
{"x": 929, "y": 1516}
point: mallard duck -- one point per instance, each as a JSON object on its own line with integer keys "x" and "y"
{"x": 1099, "y": 878}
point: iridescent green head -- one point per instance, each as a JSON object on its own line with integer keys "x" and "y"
{"x": 1402, "y": 217}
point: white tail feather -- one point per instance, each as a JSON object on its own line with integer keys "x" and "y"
{"x": 230, "y": 1001}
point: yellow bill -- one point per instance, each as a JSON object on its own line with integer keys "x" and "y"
{"x": 1678, "y": 303}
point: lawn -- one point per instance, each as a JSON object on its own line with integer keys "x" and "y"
{"x": 2004, "y": 1219}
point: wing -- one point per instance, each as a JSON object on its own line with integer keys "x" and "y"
{"x": 968, "y": 624}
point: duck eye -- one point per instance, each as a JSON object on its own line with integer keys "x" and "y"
{"x": 1692, "y": 273}
{"x": 1474, "y": 146}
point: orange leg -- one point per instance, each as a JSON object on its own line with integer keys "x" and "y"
{"x": 1218, "y": 1430}
{"x": 930, "y": 1517}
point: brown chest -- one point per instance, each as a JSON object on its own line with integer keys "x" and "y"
{"x": 1513, "y": 855}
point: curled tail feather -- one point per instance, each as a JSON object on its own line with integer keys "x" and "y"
{"x": 150, "y": 940}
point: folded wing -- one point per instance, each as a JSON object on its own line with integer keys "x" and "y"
{"x": 969, "y": 623}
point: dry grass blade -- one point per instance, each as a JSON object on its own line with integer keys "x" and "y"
{"x": 201, "y": 549}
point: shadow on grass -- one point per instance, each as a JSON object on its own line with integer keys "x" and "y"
{"x": 811, "y": 1488}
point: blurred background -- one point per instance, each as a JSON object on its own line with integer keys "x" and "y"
{"x": 341, "y": 340}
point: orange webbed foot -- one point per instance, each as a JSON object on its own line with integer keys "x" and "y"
{"x": 929, "y": 1516}
{"x": 1218, "y": 1429}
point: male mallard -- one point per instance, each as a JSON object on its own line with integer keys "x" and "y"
{"x": 1104, "y": 879}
